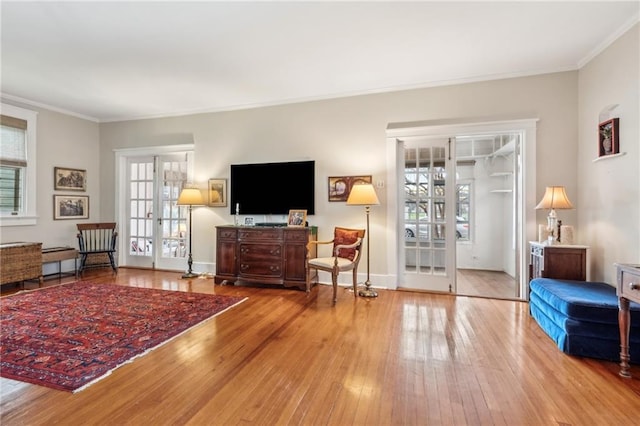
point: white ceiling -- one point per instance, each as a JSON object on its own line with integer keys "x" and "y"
{"x": 111, "y": 61}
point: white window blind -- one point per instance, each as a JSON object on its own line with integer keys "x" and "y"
{"x": 17, "y": 166}
{"x": 13, "y": 149}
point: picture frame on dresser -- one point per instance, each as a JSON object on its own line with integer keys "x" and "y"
{"x": 66, "y": 179}
{"x": 297, "y": 218}
{"x": 70, "y": 207}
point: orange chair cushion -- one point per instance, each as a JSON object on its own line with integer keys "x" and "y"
{"x": 346, "y": 237}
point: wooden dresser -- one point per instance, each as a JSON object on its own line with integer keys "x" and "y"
{"x": 20, "y": 262}
{"x": 264, "y": 255}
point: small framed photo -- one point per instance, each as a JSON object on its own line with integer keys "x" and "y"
{"x": 340, "y": 186}
{"x": 608, "y": 139}
{"x": 297, "y": 218}
{"x": 70, "y": 207}
{"x": 248, "y": 221}
{"x": 217, "y": 192}
{"x": 65, "y": 179}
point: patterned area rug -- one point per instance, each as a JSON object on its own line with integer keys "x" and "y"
{"x": 69, "y": 336}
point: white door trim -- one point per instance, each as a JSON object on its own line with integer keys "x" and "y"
{"x": 455, "y": 128}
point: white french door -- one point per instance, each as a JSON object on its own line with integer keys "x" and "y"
{"x": 155, "y": 231}
{"x": 428, "y": 255}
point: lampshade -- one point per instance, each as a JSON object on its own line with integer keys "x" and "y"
{"x": 363, "y": 195}
{"x": 190, "y": 197}
{"x": 555, "y": 197}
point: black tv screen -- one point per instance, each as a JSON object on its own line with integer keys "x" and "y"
{"x": 273, "y": 188}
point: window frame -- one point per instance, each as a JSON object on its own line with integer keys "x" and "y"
{"x": 470, "y": 203}
{"x": 28, "y": 216}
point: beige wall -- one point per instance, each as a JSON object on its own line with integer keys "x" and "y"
{"x": 347, "y": 136}
{"x": 609, "y": 190}
{"x": 62, "y": 141}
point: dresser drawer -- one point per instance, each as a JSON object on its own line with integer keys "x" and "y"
{"x": 260, "y": 234}
{"x": 297, "y": 235}
{"x": 227, "y": 233}
{"x": 629, "y": 286}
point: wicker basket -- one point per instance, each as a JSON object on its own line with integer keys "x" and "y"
{"x": 20, "y": 261}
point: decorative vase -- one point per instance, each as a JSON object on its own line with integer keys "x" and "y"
{"x": 606, "y": 145}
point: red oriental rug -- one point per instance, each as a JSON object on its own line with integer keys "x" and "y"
{"x": 69, "y": 336}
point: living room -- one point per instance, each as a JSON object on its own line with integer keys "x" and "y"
{"x": 349, "y": 135}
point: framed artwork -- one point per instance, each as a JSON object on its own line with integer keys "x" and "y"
{"x": 70, "y": 207}
{"x": 608, "y": 142}
{"x": 217, "y": 192}
{"x": 65, "y": 179}
{"x": 248, "y": 221}
{"x": 297, "y": 218}
{"x": 340, "y": 186}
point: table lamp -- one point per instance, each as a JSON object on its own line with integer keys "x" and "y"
{"x": 555, "y": 197}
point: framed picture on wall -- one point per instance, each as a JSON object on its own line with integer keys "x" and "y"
{"x": 217, "y": 192}
{"x": 65, "y": 179}
{"x": 608, "y": 139}
{"x": 70, "y": 207}
{"x": 340, "y": 186}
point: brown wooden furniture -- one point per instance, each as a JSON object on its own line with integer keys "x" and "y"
{"x": 628, "y": 289}
{"x": 98, "y": 241}
{"x": 564, "y": 262}
{"x": 20, "y": 261}
{"x": 58, "y": 254}
{"x": 264, "y": 255}
{"x": 345, "y": 257}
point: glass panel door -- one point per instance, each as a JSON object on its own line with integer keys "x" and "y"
{"x": 157, "y": 231}
{"x": 428, "y": 216}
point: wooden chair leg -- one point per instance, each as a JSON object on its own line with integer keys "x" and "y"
{"x": 334, "y": 281}
{"x": 355, "y": 283}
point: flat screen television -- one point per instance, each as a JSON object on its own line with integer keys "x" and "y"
{"x": 272, "y": 188}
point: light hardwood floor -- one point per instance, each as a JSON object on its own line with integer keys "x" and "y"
{"x": 285, "y": 357}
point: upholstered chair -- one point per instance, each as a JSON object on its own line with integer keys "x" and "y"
{"x": 345, "y": 256}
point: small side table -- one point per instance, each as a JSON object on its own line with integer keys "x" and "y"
{"x": 58, "y": 254}
{"x": 628, "y": 289}
{"x": 559, "y": 261}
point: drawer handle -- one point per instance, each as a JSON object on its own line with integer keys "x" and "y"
{"x": 274, "y": 268}
{"x": 244, "y": 266}
{"x": 634, "y": 286}
{"x": 275, "y": 251}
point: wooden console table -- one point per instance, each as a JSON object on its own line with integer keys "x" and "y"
{"x": 264, "y": 255}
{"x": 58, "y": 254}
{"x": 628, "y": 289}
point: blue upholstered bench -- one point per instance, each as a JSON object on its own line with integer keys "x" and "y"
{"x": 582, "y": 317}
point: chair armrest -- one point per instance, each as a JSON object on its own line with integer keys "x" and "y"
{"x": 347, "y": 246}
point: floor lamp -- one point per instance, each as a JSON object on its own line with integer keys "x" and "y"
{"x": 365, "y": 195}
{"x": 190, "y": 197}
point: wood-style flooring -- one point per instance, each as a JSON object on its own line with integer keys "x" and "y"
{"x": 285, "y": 357}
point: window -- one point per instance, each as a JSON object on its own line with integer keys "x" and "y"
{"x": 17, "y": 166}
{"x": 463, "y": 211}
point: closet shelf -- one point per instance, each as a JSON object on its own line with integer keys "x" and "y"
{"x": 504, "y": 191}
{"x": 495, "y": 174}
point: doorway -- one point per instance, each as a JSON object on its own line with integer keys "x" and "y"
{"x": 153, "y": 229}
{"x": 489, "y": 202}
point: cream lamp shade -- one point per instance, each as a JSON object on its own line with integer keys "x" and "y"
{"x": 190, "y": 197}
{"x": 555, "y": 197}
{"x": 363, "y": 195}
